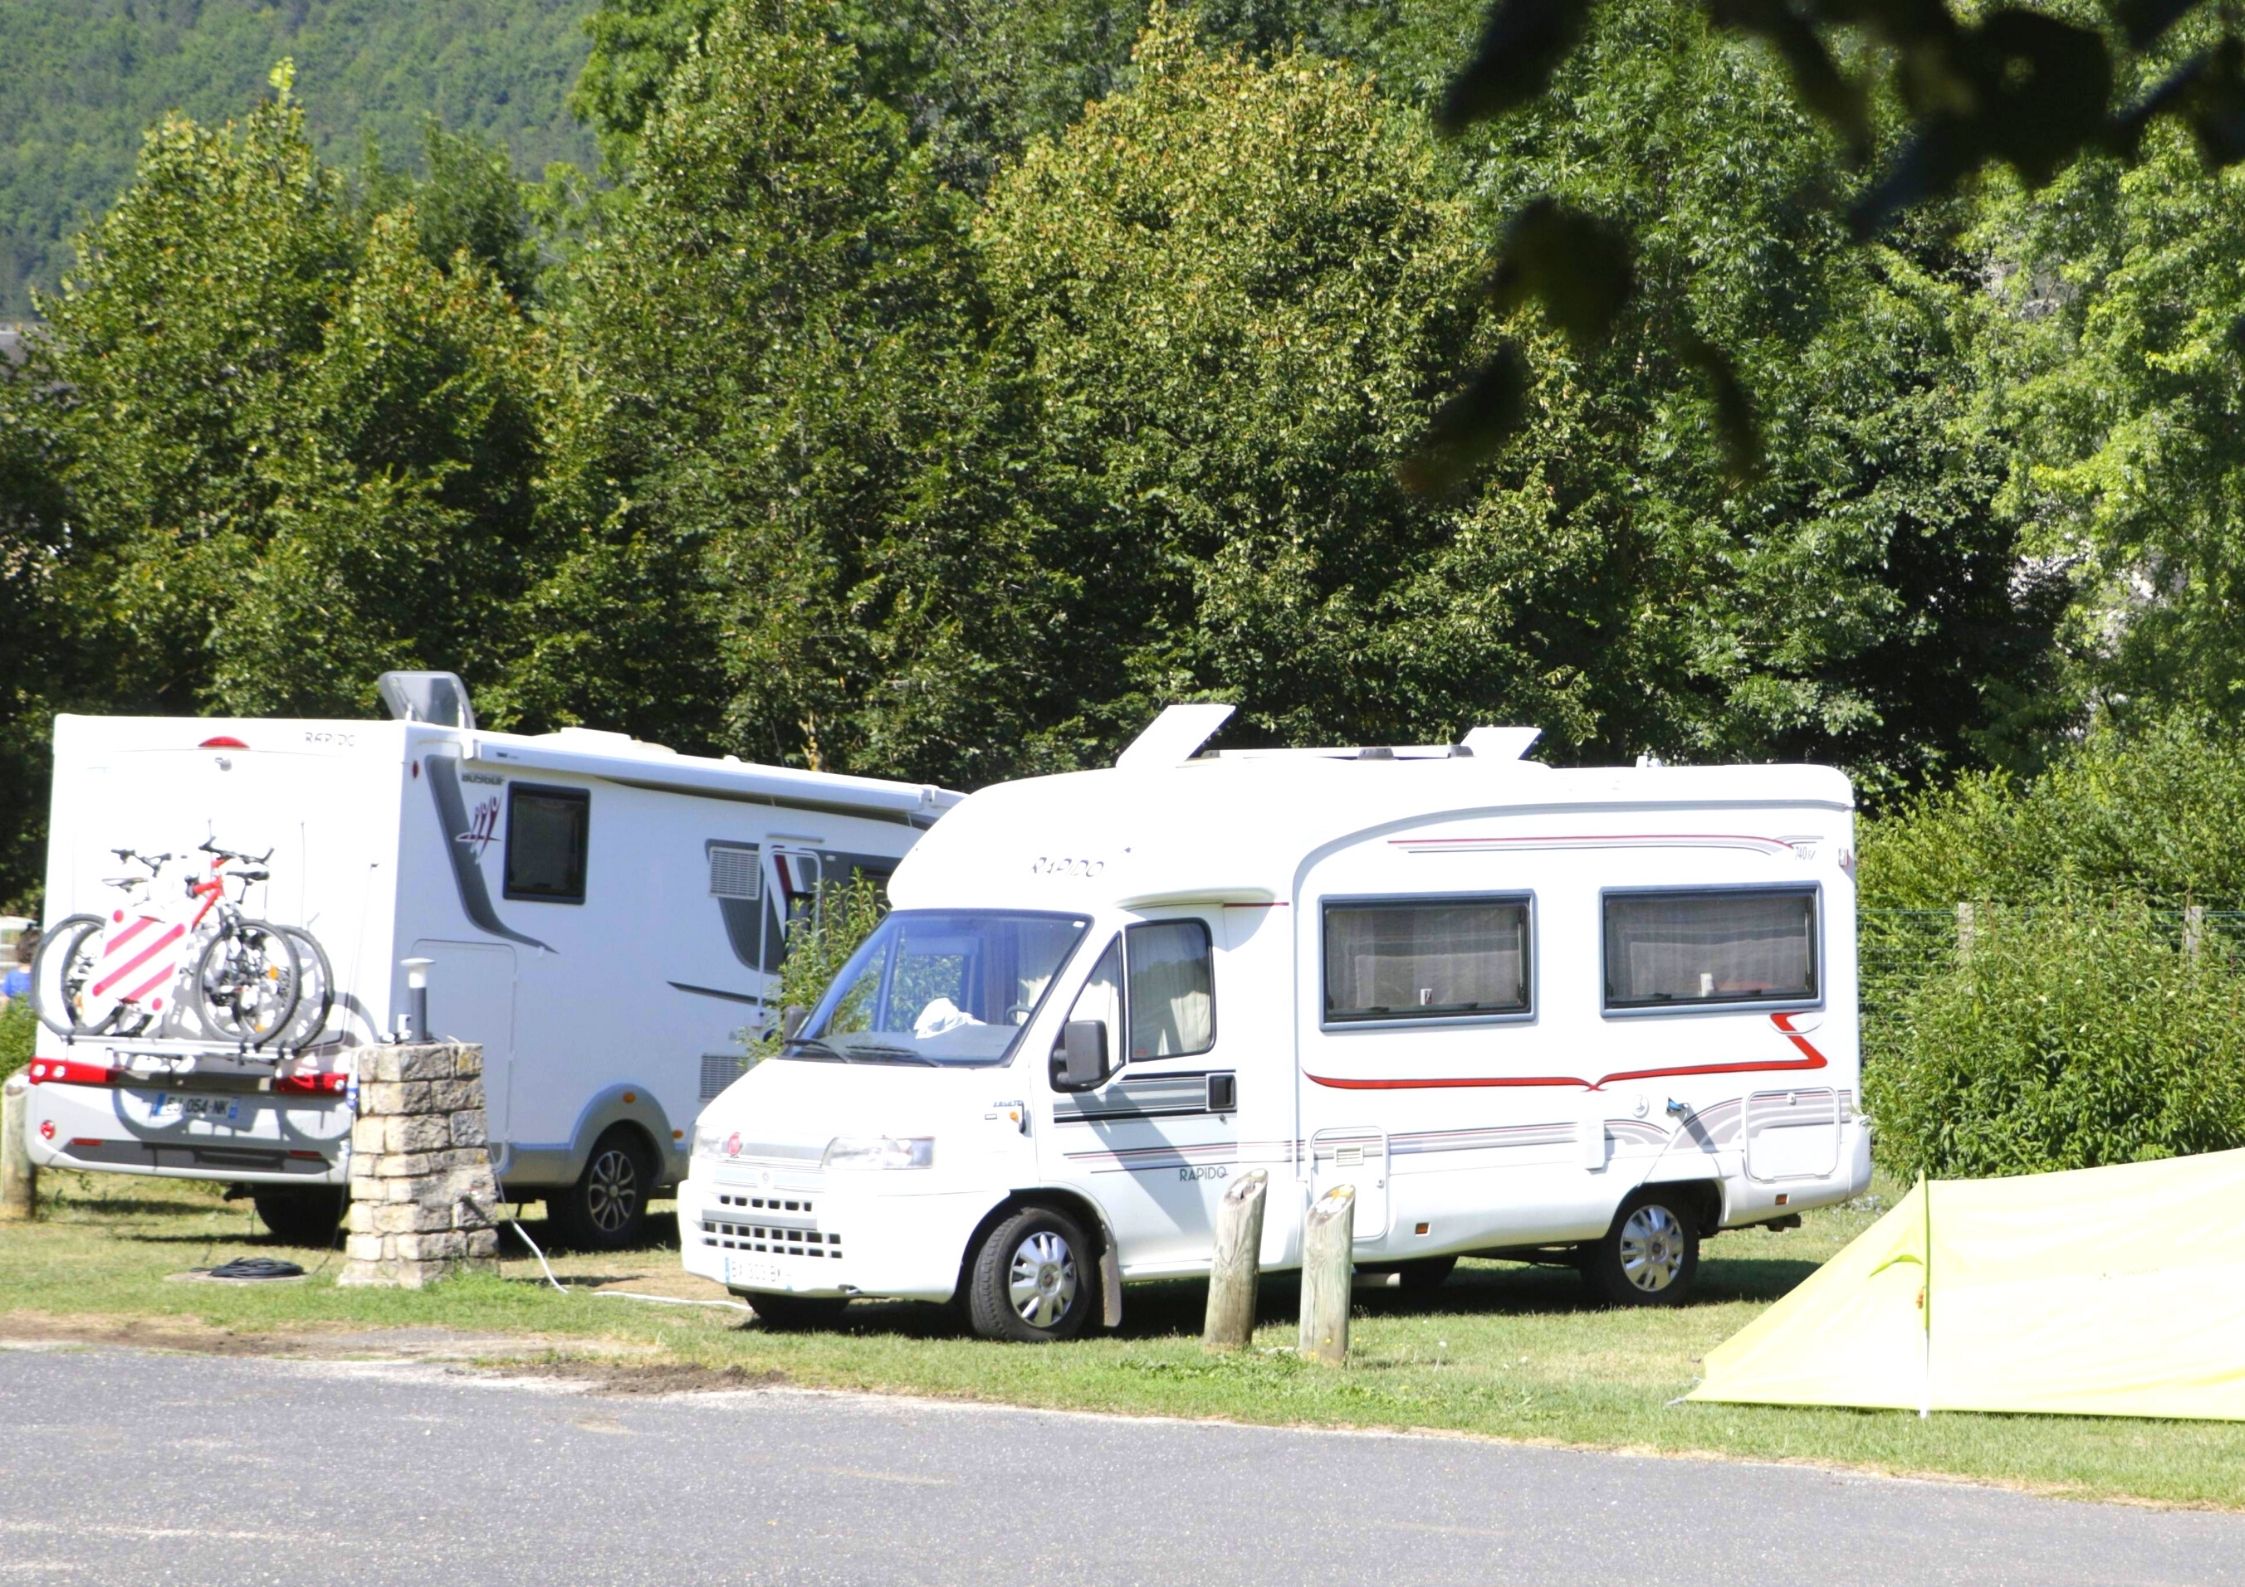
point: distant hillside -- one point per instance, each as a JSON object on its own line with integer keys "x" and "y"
{"x": 81, "y": 80}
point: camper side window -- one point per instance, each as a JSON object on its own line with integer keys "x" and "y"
{"x": 1159, "y": 981}
{"x": 1172, "y": 989}
{"x": 547, "y": 830}
{"x": 1728, "y": 945}
{"x": 1426, "y": 958}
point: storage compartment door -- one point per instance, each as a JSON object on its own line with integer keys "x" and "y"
{"x": 471, "y": 998}
{"x": 1359, "y": 1157}
{"x": 1792, "y": 1135}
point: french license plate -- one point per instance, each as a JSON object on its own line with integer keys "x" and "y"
{"x": 753, "y": 1272}
{"x": 167, "y": 1106}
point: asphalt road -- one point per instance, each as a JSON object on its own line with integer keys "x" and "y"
{"x": 125, "y": 1467}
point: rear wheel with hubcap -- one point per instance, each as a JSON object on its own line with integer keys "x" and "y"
{"x": 1651, "y": 1254}
{"x": 300, "y": 1215}
{"x": 1035, "y": 1279}
{"x": 606, "y": 1209}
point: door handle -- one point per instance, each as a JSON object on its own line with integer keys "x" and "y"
{"x": 1223, "y": 1093}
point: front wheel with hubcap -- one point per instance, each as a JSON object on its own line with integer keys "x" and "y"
{"x": 606, "y": 1209}
{"x": 1651, "y": 1254}
{"x": 790, "y": 1313}
{"x": 1035, "y": 1279}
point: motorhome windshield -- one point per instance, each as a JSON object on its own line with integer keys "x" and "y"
{"x": 939, "y": 987}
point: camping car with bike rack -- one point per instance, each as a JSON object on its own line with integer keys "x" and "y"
{"x": 236, "y": 907}
{"x": 1590, "y": 1016}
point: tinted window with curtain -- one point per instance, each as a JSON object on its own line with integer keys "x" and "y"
{"x": 1172, "y": 989}
{"x": 546, "y": 836}
{"x": 1426, "y": 959}
{"x": 1672, "y": 950}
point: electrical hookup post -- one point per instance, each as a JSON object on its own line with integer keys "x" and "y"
{"x": 424, "y": 1201}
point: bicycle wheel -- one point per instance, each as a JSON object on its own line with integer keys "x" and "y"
{"x": 61, "y": 971}
{"x": 247, "y": 981}
{"x": 315, "y": 990}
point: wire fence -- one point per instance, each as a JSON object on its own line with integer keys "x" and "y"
{"x": 1899, "y": 950}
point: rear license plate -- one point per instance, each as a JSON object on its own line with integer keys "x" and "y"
{"x": 169, "y": 1107}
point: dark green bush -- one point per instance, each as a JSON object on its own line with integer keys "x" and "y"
{"x": 2152, "y": 811}
{"x": 2077, "y": 1032}
{"x": 18, "y": 1026}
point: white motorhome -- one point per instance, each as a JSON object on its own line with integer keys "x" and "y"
{"x": 1584, "y": 1015}
{"x": 604, "y": 916}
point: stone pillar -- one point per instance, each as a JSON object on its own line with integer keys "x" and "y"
{"x": 424, "y": 1202}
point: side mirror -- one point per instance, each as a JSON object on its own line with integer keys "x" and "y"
{"x": 791, "y": 1020}
{"x": 1079, "y": 1063}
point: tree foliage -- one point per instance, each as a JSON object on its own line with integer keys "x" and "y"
{"x": 84, "y": 79}
{"x": 267, "y": 446}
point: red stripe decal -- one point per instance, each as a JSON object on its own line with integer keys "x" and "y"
{"x": 139, "y": 925}
{"x": 154, "y": 984}
{"x": 1810, "y": 1059}
{"x": 158, "y": 946}
{"x": 1601, "y": 837}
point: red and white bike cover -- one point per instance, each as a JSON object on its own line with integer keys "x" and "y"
{"x": 139, "y": 960}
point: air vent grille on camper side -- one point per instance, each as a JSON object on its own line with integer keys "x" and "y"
{"x": 734, "y": 871}
{"x": 719, "y": 1070}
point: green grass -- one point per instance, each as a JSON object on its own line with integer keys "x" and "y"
{"x": 1503, "y": 1350}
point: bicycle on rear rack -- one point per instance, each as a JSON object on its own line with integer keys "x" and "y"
{"x": 120, "y": 975}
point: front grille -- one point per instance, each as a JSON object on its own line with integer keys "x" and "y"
{"x": 771, "y": 1225}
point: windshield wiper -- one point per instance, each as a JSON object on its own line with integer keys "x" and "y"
{"x": 811, "y": 1047}
{"x": 882, "y": 1052}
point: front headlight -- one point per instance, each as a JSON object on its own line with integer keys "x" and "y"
{"x": 708, "y": 1140}
{"x": 879, "y": 1151}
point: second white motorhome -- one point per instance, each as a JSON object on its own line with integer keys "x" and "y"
{"x": 1585, "y": 1014}
{"x": 604, "y": 916}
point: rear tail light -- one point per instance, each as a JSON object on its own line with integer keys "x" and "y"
{"x": 311, "y": 1085}
{"x": 69, "y": 1072}
{"x": 84, "y": 1140}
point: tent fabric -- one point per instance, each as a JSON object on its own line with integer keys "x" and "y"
{"x": 2104, "y": 1292}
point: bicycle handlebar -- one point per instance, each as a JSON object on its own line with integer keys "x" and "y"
{"x": 210, "y": 846}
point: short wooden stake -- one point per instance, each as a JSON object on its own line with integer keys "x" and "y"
{"x": 19, "y": 1181}
{"x": 1237, "y": 1269}
{"x": 1327, "y": 1265}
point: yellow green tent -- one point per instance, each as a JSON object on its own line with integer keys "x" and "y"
{"x": 2107, "y": 1291}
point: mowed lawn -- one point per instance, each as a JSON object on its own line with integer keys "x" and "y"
{"x": 1503, "y": 1350}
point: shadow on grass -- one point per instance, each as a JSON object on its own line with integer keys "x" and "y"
{"x": 1174, "y": 1308}
{"x": 79, "y": 1207}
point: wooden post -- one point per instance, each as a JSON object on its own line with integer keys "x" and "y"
{"x": 2194, "y": 930}
{"x": 1233, "y": 1276}
{"x": 1964, "y": 933}
{"x": 19, "y": 1183}
{"x": 1327, "y": 1264}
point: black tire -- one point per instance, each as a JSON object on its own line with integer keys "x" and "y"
{"x": 793, "y": 1313}
{"x": 1035, "y": 1279}
{"x": 606, "y": 1209}
{"x": 1651, "y": 1255}
{"x": 61, "y": 971}
{"x": 247, "y": 982}
{"x": 315, "y": 990}
{"x": 301, "y": 1214}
